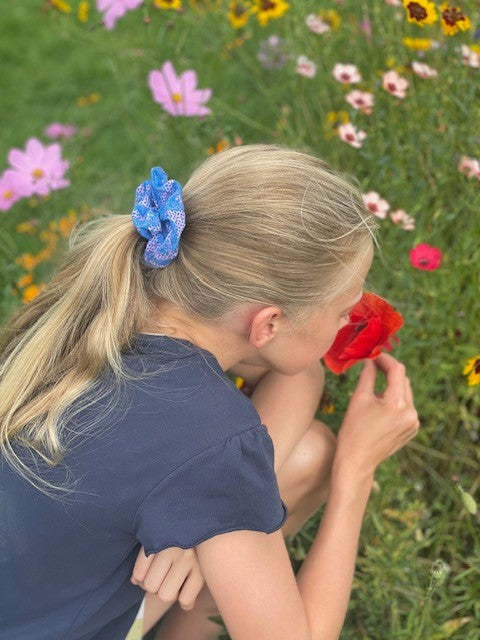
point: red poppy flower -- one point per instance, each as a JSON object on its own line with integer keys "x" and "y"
{"x": 426, "y": 257}
{"x": 372, "y": 322}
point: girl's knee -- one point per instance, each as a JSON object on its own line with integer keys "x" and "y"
{"x": 316, "y": 452}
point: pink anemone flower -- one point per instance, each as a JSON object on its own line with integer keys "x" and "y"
{"x": 178, "y": 95}
{"x": 394, "y": 84}
{"x": 41, "y": 167}
{"x": 351, "y": 135}
{"x": 376, "y": 204}
{"x": 361, "y": 100}
{"x": 346, "y": 73}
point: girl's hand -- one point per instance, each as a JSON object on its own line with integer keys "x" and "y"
{"x": 172, "y": 573}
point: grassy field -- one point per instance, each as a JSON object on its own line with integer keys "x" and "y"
{"x": 417, "y": 573}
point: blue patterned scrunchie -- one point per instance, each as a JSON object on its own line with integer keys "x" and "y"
{"x": 159, "y": 216}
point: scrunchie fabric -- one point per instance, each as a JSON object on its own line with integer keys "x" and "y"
{"x": 158, "y": 215}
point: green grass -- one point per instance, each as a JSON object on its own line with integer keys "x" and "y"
{"x": 410, "y": 157}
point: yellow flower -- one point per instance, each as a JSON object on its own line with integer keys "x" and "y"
{"x": 331, "y": 17}
{"x": 390, "y": 62}
{"x": 268, "y": 9}
{"x": 475, "y": 47}
{"x": 239, "y": 13}
{"x": 31, "y": 292}
{"x": 419, "y": 44}
{"x": 84, "y": 101}
{"x": 82, "y": 13}
{"x": 168, "y": 4}
{"x": 472, "y": 369}
{"x": 453, "y": 20}
{"x": 421, "y": 12}
{"x": 62, "y": 6}
{"x": 327, "y": 408}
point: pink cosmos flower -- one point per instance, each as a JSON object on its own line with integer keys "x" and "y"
{"x": 57, "y": 130}
{"x": 394, "y": 84}
{"x": 376, "y": 204}
{"x": 316, "y": 24}
{"x": 114, "y": 9}
{"x": 402, "y": 218}
{"x": 306, "y": 67}
{"x": 12, "y": 187}
{"x": 178, "y": 95}
{"x": 470, "y": 57}
{"x": 366, "y": 27}
{"x": 362, "y": 100}
{"x": 425, "y": 257}
{"x": 469, "y": 166}
{"x": 423, "y": 70}
{"x": 41, "y": 167}
{"x": 346, "y": 73}
{"x": 350, "y": 134}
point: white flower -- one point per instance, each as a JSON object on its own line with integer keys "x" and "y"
{"x": 346, "y": 73}
{"x": 376, "y": 204}
{"x": 350, "y": 134}
{"x": 306, "y": 67}
{"x": 423, "y": 70}
{"x": 316, "y": 24}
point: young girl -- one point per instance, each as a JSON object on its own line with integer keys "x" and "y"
{"x": 121, "y": 434}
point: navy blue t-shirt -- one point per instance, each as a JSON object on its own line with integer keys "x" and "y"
{"x": 171, "y": 460}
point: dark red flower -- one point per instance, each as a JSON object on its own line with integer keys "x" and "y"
{"x": 372, "y": 322}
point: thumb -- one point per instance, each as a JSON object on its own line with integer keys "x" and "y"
{"x": 366, "y": 379}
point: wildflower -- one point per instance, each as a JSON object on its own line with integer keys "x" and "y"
{"x": 472, "y": 369}
{"x": 350, "y": 134}
{"x": 12, "y": 187}
{"x": 421, "y": 12}
{"x": 270, "y": 9}
{"x": 469, "y": 56}
{"x": 453, "y": 20}
{"x": 439, "y": 571}
{"x": 425, "y": 257}
{"x": 57, "y": 130}
{"x": 272, "y": 53}
{"x": 114, "y": 9}
{"x": 394, "y": 84}
{"x": 41, "y": 167}
{"x": 361, "y": 100}
{"x": 62, "y": 6}
{"x": 423, "y": 70}
{"x": 376, "y": 204}
{"x": 346, "y": 73}
{"x": 419, "y": 44}
{"x": 306, "y": 67}
{"x": 168, "y": 4}
{"x": 240, "y": 12}
{"x": 82, "y": 11}
{"x": 316, "y": 24}
{"x": 178, "y": 94}
{"x": 331, "y": 17}
{"x": 366, "y": 27}
{"x": 469, "y": 166}
{"x": 394, "y": 3}
{"x": 92, "y": 98}
{"x": 402, "y": 218}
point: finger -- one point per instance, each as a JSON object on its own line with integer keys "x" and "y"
{"x": 173, "y": 582}
{"x": 190, "y": 590}
{"x": 395, "y": 391}
{"x": 141, "y": 566}
{"x": 408, "y": 392}
{"x": 366, "y": 379}
{"x": 158, "y": 571}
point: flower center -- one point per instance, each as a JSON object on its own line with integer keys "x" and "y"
{"x": 452, "y": 15}
{"x": 239, "y": 10}
{"x": 176, "y": 97}
{"x": 267, "y": 5}
{"x": 38, "y": 173}
{"x": 416, "y": 11}
{"x": 391, "y": 86}
{"x": 8, "y": 194}
{"x": 350, "y": 136}
{"x": 424, "y": 261}
{"x": 372, "y": 206}
{"x": 345, "y": 76}
{"x": 476, "y": 366}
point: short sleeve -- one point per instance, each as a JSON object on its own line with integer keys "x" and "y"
{"x": 227, "y": 487}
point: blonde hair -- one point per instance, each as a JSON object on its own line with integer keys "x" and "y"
{"x": 264, "y": 224}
